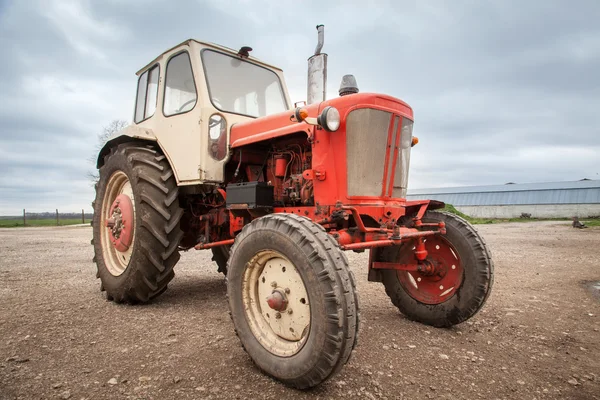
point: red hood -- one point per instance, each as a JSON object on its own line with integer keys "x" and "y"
{"x": 275, "y": 125}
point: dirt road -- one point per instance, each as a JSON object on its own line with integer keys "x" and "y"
{"x": 537, "y": 337}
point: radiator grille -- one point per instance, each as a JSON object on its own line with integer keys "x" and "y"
{"x": 367, "y": 144}
{"x": 401, "y": 176}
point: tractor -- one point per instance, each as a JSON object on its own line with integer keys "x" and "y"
{"x": 217, "y": 158}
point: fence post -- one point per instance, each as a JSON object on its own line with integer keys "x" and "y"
{"x": 82, "y": 217}
{"x": 57, "y": 217}
{"x": 24, "y": 218}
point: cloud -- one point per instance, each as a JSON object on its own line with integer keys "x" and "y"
{"x": 80, "y": 29}
{"x": 504, "y": 91}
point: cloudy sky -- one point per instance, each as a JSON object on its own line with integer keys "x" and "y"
{"x": 502, "y": 91}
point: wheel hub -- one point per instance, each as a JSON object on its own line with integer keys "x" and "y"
{"x": 277, "y": 300}
{"x": 427, "y": 268}
{"x": 120, "y": 222}
{"x": 283, "y": 299}
{"x": 438, "y": 277}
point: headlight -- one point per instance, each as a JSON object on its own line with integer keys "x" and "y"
{"x": 329, "y": 119}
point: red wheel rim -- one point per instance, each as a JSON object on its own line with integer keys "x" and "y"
{"x": 447, "y": 277}
{"x": 121, "y": 222}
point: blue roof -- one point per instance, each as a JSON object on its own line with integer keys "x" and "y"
{"x": 571, "y": 192}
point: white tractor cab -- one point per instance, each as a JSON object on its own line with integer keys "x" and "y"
{"x": 189, "y": 97}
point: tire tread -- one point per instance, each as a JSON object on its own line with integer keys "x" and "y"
{"x": 158, "y": 234}
{"x": 332, "y": 270}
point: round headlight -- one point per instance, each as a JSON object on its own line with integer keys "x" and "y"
{"x": 330, "y": 119}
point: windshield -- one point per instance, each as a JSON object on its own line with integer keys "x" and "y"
{"x": 240, "y": 87}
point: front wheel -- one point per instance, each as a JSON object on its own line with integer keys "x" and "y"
{"x": 292, "y": 299}
{"x": 462, "y": 282}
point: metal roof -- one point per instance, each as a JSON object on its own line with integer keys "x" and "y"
{"x": 571, "y": 192}
{"x": 208, "y": 44}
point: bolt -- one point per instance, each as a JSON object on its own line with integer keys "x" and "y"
{"x": 274, "y": 284}
{"x": 290, "y": 311}
{"x": 278, "y": 315}
{"x": 287, "y": 290}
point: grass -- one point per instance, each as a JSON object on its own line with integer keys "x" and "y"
{"x": 18, "y": 222}
{"x": 13, "y": 223}
{"x": 477, "y": 221}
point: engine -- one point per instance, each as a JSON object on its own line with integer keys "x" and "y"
{"x": 284, "y": 170}
{"x": 279, "y": 164}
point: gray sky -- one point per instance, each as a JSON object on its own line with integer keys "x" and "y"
{"x": 502, "y": 91}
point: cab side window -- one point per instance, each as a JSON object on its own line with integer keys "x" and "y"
{"x": 147, "y": 92}
{"x": 180, "y": 89}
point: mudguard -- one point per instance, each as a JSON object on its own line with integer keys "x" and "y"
{"x": 129, "y": 134}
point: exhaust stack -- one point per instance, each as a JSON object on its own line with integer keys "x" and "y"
{"x": 317, "y": 71}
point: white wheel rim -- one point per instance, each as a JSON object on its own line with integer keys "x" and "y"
{"x": 116, "y": 261}
{"x": 282, "y": 333}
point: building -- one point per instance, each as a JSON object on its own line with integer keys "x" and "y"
{"x": 541, "y": 200}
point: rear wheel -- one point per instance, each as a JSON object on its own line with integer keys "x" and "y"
{"x": 462, "y": 280}
{"x": 292, "y": 299}
{"x": 136, "y": 224}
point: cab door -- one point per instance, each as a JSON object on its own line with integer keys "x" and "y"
{"x": 180, "y": 129}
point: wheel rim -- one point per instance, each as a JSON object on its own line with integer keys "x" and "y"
{"x": 446, "y": 277}
{"x": 117, "y": 223}
{"x": 276, "y": 303}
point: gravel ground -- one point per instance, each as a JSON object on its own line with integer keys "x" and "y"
{"x": 537, "y": 337}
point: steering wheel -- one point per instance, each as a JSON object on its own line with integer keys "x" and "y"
{"x": 180, "y": 109}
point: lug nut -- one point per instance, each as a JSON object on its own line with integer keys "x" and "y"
{"x": 274, "y": 284}
{"x": 277, "y": 315}
{"x": 290, "y": 311}
{"x": 287, "y": 290}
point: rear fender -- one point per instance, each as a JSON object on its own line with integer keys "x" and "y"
{"x": 131, "y": 133}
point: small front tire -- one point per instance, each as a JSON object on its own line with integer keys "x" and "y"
{"x": 309, "y": 339}
{"x": 462, "y": 287}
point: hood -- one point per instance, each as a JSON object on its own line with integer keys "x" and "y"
{"x": 281, "y": 124}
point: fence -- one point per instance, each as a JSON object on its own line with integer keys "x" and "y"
{"x": 55, "y": 218}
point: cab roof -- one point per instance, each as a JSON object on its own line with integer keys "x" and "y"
{"x": 207, "y": 44}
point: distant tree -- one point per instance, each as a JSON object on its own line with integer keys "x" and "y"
{"x": 113, "y": 127}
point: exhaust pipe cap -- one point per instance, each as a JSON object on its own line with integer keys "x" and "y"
{"x": 348, "y": 85}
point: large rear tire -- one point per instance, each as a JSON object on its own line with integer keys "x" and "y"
{"x": 460, "y": 289}
{"x": 137, "y": 196}
{"x": 311, "y": 332}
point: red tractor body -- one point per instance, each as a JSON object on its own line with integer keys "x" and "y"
{"x": 352, "y": 181}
